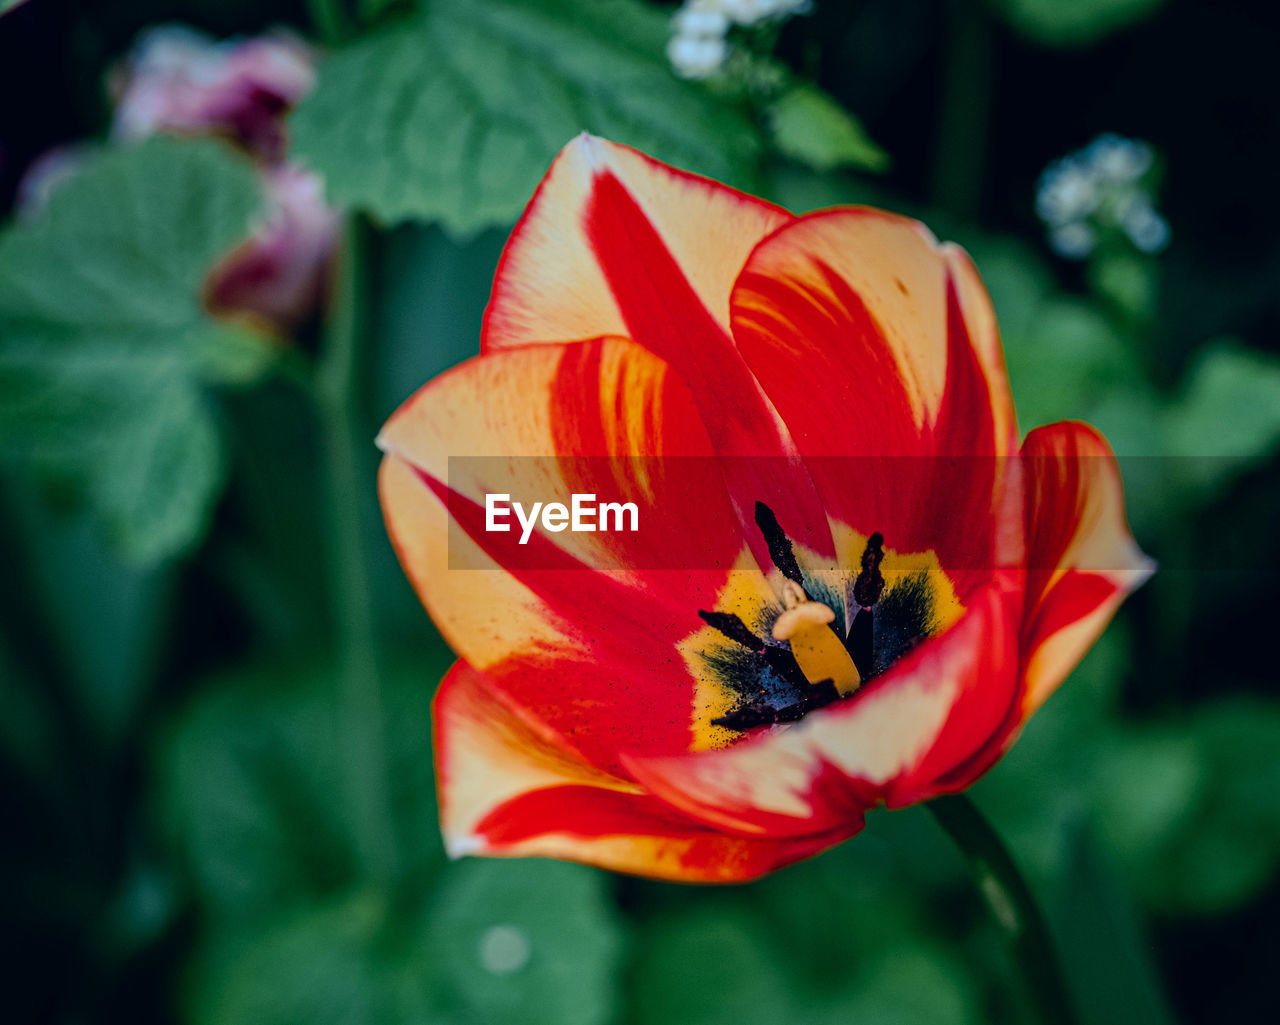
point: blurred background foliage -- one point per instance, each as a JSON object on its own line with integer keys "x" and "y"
{"x": 214, "y": 739}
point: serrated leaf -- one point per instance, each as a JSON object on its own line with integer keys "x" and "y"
{"x": 104, "y": 344}
{"x": 812, "y": 128}
{"x": 1073, "y": 22}
{"x": 455, "y": 116}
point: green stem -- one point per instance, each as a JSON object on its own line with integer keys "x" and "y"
{"x": 1011, "y": 904}
{"x": 962, "y": 121}
{"x": 360, "y": 698}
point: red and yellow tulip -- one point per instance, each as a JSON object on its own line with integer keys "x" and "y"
{"x": 852, "y": 584}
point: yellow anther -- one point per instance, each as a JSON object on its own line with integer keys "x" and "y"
{"x": 816, "y": 648}
{"x": 793, "y": 595}
{"x": 798, "y": 615}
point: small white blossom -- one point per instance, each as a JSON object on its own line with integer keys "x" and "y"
{"x": 1067, "y": 193}
{"x": 1075, "y": 241}
{"x": 699, "y": 46}
{"x": 697, "y": 56}
{"x": 748, "y": 12}
{"x": 1098, "y": 192}
{"x": 1116, "y": 159}
{"x": 1147, "y": 229}
{"x": 700, "y": 20}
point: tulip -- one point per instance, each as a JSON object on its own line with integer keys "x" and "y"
{"x": 851, "y": 584}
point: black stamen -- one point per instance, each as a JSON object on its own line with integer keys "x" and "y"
{"x": 733, "y": 628}
{"x": 859, "y": 644}
{"x": 757, "y": 713}
{"x": 870, "y": 582}
{"x": 779, "y": 544}
{"x": 747, "y": 717}
{"x": 782, "y": 662}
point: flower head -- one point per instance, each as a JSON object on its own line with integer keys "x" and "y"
{"x": 851, "y": 585}
{"x": 180, "y": 80}
{"x": 699, "y": 45}
{"x": 1103, "y": 189}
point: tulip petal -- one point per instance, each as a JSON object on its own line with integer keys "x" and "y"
{"x": 878, "y": 348}
{"x": 555, "y": 620}
{"x": 507, "y": 788}
{"x": 544, "y": 423}
{"x": 891, "y": 742}
{"x": 1082, "y": 559}
{"x": 552, "y": 286}
{"x": 616, "y": 243}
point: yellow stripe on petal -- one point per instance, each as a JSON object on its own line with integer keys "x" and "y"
{"x": 550, "y": 287}
{"x": 745, "y": 593}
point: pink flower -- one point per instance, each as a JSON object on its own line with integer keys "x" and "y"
{"x": 281, "y": 271}
{"x": 179, "y": 80}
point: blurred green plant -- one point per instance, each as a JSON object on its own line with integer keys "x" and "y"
{"x": 462, "y": 108}
{"x": 810, "y": 127}
{"x": 299, "y": 929}
{"x": 105, "y": 351}
{"x": 1073, "y": 22}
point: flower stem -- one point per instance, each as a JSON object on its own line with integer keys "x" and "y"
{"x": 1011, "y": 904}
{"x": 965, "y": 102}
{"x": 360, "y": 695}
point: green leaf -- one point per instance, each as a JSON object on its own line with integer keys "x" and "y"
{"x": 104, "y": 345}
{"x": 712, "y": 966}
{"x": 1062, "y": 359}
{"x": 1228, "y": 417}
{"x": 107, "y": 630}
{"x": 724, "y": 963}
{"x": 812, "y": 128}
{"x": 1073, "y": 22}
{"x": 912, "y": 984}
{"x": 1102, "y": 941}
{"x": 252, "y": 787}
{"x": 456, "y": 116}
{"x": 528, "y": 941}
{"x": 331, "y": 964}
{"x": 28, "y": 732}
{"x": 1209, "y": 838}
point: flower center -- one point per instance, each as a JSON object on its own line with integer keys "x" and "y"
{"x": 814, "y": 639}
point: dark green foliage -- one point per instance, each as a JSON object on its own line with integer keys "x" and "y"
{"x": 461, "y": 110}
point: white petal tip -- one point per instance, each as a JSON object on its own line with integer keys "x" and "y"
{"x": 593, "y": 150}
{"x": 462, "y": 846}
